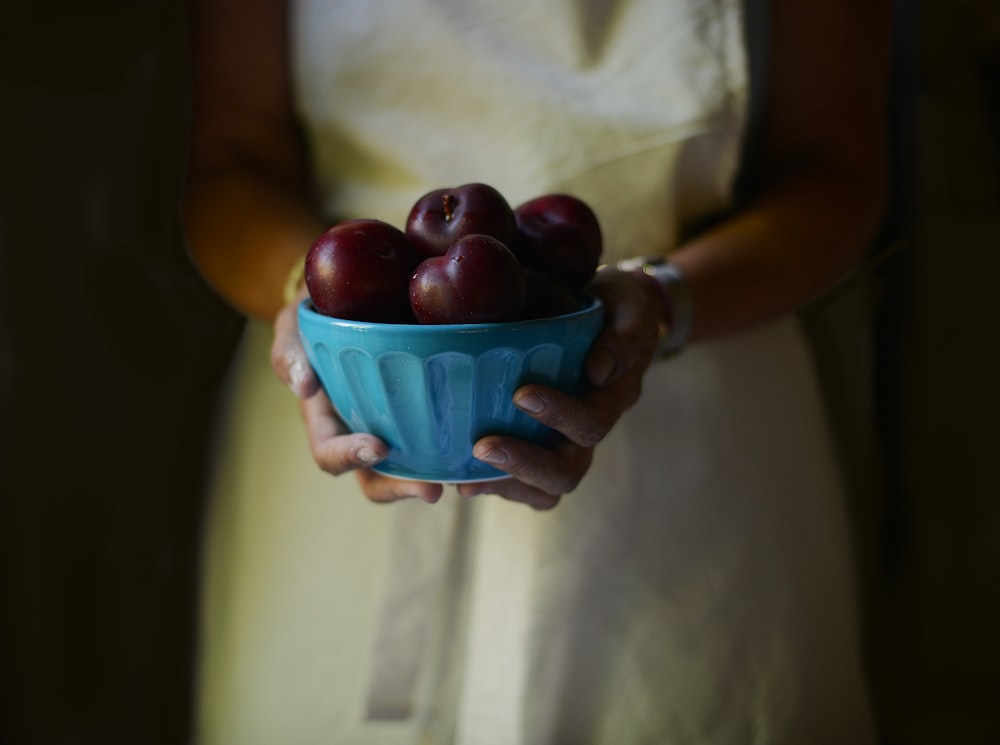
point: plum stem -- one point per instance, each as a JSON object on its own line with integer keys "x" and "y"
{"x": 448, "y": 202}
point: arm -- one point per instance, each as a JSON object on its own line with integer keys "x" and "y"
{"x": 822, "y": 162}
{"x": 821, "y": 194}
{"x": 247, "y": 214}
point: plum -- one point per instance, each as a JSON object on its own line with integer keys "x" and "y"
{"x": 477, "y": 280}
{"x": 559, "y": 235}
{"x": 441, "y": 217}
{"x": 360, "y": 270}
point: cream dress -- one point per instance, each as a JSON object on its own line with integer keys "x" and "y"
{"x": 696, "y": 587}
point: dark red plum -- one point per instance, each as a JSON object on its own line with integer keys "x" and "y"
{"x": 441, "y": 217}
{"x": 360, "y": 270}
{"x": 478, "y": 280}
{"x": 560, "y": 235}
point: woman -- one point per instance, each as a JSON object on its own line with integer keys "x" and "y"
{"x": 694, "y": 582}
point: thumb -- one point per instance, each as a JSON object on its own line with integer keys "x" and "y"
{"x": 288, "y": 356}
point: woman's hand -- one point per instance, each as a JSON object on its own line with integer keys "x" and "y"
{"x": 334, "y": 449}
{"x": 615, "y": 367}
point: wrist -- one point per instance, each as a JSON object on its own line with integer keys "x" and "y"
{"x": 674, "y": 294}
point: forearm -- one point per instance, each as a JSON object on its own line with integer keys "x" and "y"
{"x": 821, "y": 160}
{"x": 246, "y": 230}
{"x": 797, "y": 238}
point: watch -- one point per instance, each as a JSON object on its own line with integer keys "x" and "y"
{"x": 675, "y": 294}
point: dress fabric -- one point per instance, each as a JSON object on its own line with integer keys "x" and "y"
{"x": 695, "y": 588}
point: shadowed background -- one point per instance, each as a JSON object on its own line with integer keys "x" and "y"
{"x": 110, "y": 352}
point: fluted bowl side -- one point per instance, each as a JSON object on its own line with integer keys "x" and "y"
{"x": 430, "y": 391}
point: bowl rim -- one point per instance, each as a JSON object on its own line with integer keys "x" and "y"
{"x": 306, "y": 310}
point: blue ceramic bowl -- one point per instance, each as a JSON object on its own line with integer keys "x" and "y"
{"x": 430, "y": 391}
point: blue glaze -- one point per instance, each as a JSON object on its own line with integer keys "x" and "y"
{"x": 430, "y": 391}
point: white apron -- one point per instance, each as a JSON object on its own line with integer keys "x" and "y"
{"x": 696, "y": 587}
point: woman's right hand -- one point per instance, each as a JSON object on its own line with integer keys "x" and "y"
{"x": 334, "y": 448}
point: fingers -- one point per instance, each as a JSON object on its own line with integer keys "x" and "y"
{"x": 336, "y": 451}
{"x": 579, "y": 420}
{"x": 541, "y": 475}
{"x": 384, "y": 489}
{"x": 513, "y": 491}
{"x": 584, "y": 421}
{"x": 288, "y": 357}
{"x": 632, "y": 327}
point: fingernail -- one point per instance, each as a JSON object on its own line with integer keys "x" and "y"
{"x": 367, "y": 455}
{"x": 430, "y": 498}
{"x": 530, "y": 403}
{"x": 496, "y": 456}
{"x": 602, "y": 365}
{"x": 296, "y": 373}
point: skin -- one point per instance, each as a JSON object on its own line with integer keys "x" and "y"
{"x": 822, "y": 165}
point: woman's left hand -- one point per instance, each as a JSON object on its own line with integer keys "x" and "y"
{"x": 615, "y": 366}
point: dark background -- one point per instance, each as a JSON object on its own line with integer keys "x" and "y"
{"x": 111, "y": 349}
{"x": 112, "y": 352}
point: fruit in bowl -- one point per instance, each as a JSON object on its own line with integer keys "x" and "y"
{"x": 477, "y": 280}
{"x": 441, "y": 217}
{"x": 421, "y": 336}
{"x": 361, "y": 269}
{"x": 559, "y": 235}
